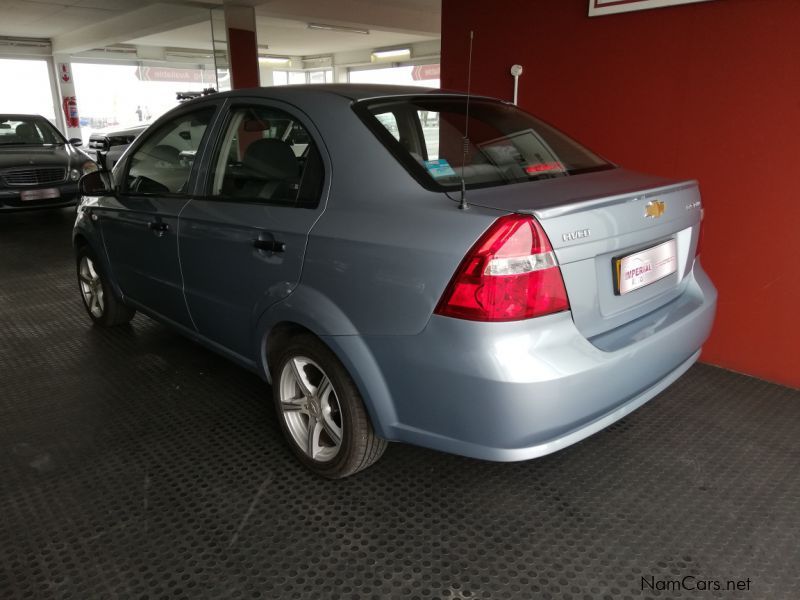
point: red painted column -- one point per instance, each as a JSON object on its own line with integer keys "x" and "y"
{"x": 240, "y": 25}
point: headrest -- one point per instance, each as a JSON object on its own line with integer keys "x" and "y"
{"x": 26, "y": 131}
{"x": 274, "y": 159}
{"x": 254, "y": 124}
{"x": 165, "y": 153}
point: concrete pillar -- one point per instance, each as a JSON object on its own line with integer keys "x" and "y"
{"x": 240, "y": 25}
{"x": 340, "y": 74}
{"x": 55, "y": 95}
{"x": 67, "y": 99}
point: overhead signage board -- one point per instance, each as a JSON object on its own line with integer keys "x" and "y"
{"x": 609, "y": 7}
{"x": 425, "y": 72}
{"x": 175, "y": 75}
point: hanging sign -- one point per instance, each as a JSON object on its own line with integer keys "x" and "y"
{"x": 608, "y": 7}
{"x": 425, "y": 72}
{"x": 174, "y": 74}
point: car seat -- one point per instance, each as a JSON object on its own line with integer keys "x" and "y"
{"x": 26, "y": 133}
{"x": 270, "y": 170}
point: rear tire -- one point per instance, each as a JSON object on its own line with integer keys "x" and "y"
{"x": 102, "y": 305}
{"x": 321, "y": 412}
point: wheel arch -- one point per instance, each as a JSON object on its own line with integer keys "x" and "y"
{"x": 85, "y": 235}
{"x": 352, "y": 351}
{"x": 79, "y": 241}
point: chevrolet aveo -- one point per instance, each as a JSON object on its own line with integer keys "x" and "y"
{"x": 402, "y": 265}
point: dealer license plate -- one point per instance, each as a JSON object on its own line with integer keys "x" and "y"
{"x": 45, "y": 194}
{"x": 643, "y": 268}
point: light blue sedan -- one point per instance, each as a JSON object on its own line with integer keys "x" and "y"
{"x": 402, "y": 265}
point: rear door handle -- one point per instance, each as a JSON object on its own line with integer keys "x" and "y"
{"x": 269, "y": 245}
{"x": 158, "y": 227}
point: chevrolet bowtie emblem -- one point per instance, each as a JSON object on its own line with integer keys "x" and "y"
{"x": 654, "y": 209}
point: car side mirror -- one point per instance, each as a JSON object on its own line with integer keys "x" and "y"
{"x": 96, "y": 183}
{"x": 75, "y": 142}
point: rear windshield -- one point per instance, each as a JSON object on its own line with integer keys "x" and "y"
{"x": 504, "y": 145}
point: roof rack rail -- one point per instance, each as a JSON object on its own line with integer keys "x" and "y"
{"x": 183, "y": 96}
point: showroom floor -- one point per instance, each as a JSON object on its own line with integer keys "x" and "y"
{"x": 138, "y": 465}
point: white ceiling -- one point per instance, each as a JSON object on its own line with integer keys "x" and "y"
{"x": 78, "y": 25}
{"x": 49, "y": 18}
{"x": 285, "y": 37}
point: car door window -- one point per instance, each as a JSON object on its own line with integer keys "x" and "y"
{"x": 267, "y": 156}
{"x": 163, "y": 163}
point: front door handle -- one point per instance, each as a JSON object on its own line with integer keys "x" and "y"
{"x": 158, "y": 227}
{"x": 269, "y": 245}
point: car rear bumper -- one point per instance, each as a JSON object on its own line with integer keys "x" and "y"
{"x": 10, "y": 199}
{"x": 515, "y": 391}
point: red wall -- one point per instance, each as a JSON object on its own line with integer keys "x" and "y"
{"x": 708, "y": 91}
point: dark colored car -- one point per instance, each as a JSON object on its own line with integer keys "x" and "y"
{"x": 39, "y": 168}
{"x": 107, "y": 146}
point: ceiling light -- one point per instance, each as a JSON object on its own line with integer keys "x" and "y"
{"x": 24, "y": 42}
{"x": 391, "y": 54}
{"x": 340, "y": 28}
{"x": 274, "y": 60}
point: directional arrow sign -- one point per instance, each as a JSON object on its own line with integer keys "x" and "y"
{"x": 66, "y": 76}
{"x": 423, "y": 72}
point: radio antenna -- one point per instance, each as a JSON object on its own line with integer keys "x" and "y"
{"x": 463, "y": 204}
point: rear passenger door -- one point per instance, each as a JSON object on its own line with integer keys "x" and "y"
{"x": 243, "y": 237}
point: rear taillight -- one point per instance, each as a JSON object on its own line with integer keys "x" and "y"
{"x": 510, "y": 274}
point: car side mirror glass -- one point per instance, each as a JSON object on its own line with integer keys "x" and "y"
{"x": 75, "y": 142}
{"x": 97, "y": 183}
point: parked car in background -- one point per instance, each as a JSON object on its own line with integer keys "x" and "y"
{"x": 39, "y": 168}
{"x": 107, "y": 145}
{"x": 500, "y": 297}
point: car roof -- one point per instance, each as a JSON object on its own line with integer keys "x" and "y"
{"x": 352, "y": 91}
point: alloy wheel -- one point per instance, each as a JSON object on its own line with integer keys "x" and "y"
{"x": 91, "y": 287}
{"x": 310, "y": 408}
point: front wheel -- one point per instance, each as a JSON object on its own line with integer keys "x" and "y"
{"x": 104, "y": 308}
{"x": 321, "y": 411}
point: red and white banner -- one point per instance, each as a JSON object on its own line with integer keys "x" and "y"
{"x": 425, "y": 72}
{"x": 174, "y": 75}
{"x": 608, "y": 7}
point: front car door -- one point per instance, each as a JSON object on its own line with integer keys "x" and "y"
{"x": 140, "y": 225}
{"x": 243, "y": 238}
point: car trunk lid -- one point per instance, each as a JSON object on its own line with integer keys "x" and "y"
{"x": 594, "y": 220}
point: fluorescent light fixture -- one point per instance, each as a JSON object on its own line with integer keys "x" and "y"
{"x": 340, "y": 28}
{"x": 391, "y": 54}
{"x": 274, "y": 60}
{"x": 24, "y": 42}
